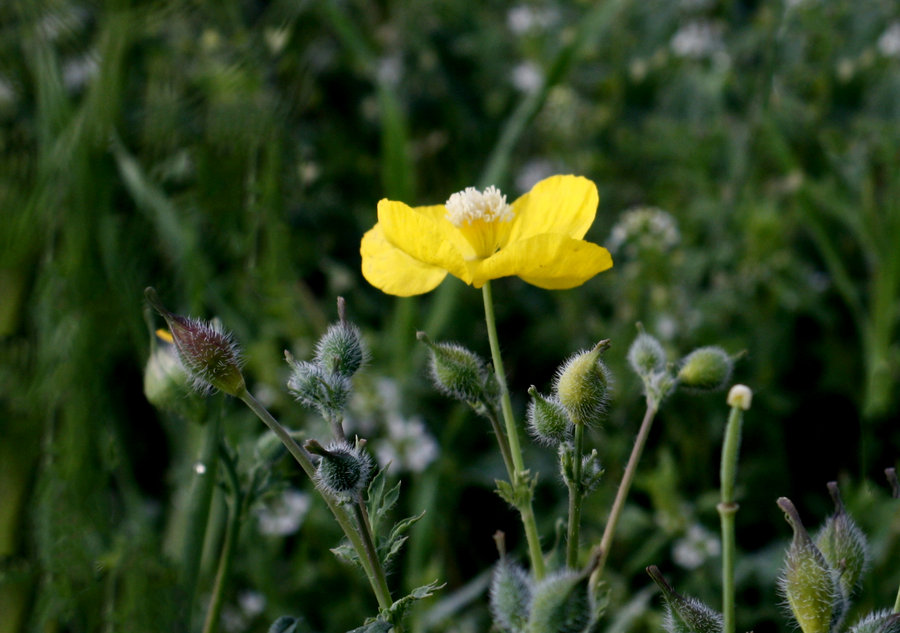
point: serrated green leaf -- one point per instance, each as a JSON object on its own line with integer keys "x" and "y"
{"x": 390, "y": 546}
{"x": 380, "y": 499}
{"x": 397, "y": 610}
{"x": 346, "y": 553}
{"x": 377, "y": 625}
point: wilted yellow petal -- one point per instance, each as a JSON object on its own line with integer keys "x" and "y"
{"x": 423, "y": 237}
{"x": 565, "y": 205}
{"x": 550, "y": 261}
{"x": 392, "y": 271}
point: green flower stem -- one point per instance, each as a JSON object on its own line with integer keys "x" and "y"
{"x": 625, "y": 485}
{"x": 502, "y": 443}
{"x": 512, "y": 436}
{"x": 727, "y": 509}
{"x": 226, "y": 557}
{"x": 368, "y": 538}
{"x": 198, "y": 514}
{"x": 576, "y": 497}
{"x": 374, "y": 570}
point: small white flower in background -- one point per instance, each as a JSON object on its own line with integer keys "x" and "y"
{"x": 408, "y": 445}
{"x": 283, "y": 514}
{"x": 697, "y": 39}
{"x": 698, "y": 545}
{"x": 520, "y": 19}
{"x": 889, "y": 42}
{"x": 527, "y": 77}
{"x": 252, "y": 603}
{"x": 643, "y": 229}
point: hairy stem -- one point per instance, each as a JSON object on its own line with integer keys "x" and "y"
{"x": 512, "y": 436}
{"x": 727, "y": 509}
{"x": 576, "y": 497}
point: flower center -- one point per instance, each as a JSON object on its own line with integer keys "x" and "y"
{"x": 483, "y": 217}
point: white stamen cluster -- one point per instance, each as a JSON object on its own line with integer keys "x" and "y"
{"x": 471, "y": 205}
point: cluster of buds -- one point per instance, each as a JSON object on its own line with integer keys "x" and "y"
{"x": 704, "y": 369}
{"x": 820, "y": 574}
{"x": 563, "y": 602}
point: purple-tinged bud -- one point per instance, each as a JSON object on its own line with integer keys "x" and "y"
{"x": 206, "y": 351}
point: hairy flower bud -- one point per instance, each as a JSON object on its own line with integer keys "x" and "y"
{"x": 344, "y": 469}
{"x": 878, "y": 622}
{"x": 683, "y": 613}
{"x": 706, "y": 369}
{"x": 646, "y": 355}
{"x": 458, "y": 372}
{"x": 316, "y": 388}
{"x": 582, "y": 385}
{"x": 560, "y": 603}
{"x": 807, "y": 581}
{"x": 510, "y": 596}
{"x": 341, "y": 349}
{"x": 843, "y": 545}
{"x": 548, "y": 419}
{"x": 206, "y": 351}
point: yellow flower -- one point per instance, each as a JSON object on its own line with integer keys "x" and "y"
{"x": 476, "y": 236}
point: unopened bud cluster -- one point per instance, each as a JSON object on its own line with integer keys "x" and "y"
{"x": 820, "y": 574}
{"x": 324, "y": 383}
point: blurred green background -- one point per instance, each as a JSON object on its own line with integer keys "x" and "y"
{"x": 231, "y": 154}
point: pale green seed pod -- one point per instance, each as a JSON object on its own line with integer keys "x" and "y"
{"x": 341, "y": 349}
{"x": 646, "y": 355}
{"x": 685, "y": 614}
{"x": 706, "y": 369}
{"x": 510, "y": 596}
{"x": 344, "y": 470}
{"x": 843, "y": 545}
{"x": 582, "y": 385}
{"x": 458, "y": 372}
{"x": 208, "y": 353}
{"x": 878, "y": 622}
{"x": 560, "y": 604}
{"x": 808, "y": 583}
{"x": 548, "y": 419}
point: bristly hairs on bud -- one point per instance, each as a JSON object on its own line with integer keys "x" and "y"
{"x": 843, "y": 545}
{"x": 510, "y": 592}
{"x": 882, "y": 621}
{"x": 548, "y": 419}
{"x": 561, "y": 603}
{"x": 685, "y": 614}
{"x": 341, "y": 349}
{"x": 316, "y": 388}
{"x": 706, "y": 369}
{"x": 583, "y": 383}
{"x": 208, "y": 352}
{"x": 344, "y": 469}
{"x": 460, "y": 373}
{"x": 646, "y": 354}
{"x": 808, "y": 583}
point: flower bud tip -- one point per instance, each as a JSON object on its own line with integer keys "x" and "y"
{"x": 740, "y": 396}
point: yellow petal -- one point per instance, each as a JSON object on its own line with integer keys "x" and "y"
{"x": 438, "y": 213}
{"x": 392, "y": 271}
{"x": 422, "y": 236}
{"x": 560, "y": 204}
{"x": 550, "y": 261}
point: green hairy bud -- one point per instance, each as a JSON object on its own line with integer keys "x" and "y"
{"x": 206, "y": 351}
{"x": 510, "y": 593}
{"x": 548, "y": 420}
{"x": 685, "y": 614}
{"x": 706, "y": 369}
{"x": 582, "y": 385}
{"x": 878, "y": 622}
{"x": 843, "y": 545}
{"x": 341, "y": 349}
{"x": 458, "y": 372}
{"x": 646, "y": 355}
{"x": 314, "y": 387}
{"x": 560, "y": 604}
{"x": 807, "y": 581}
{"x": 343, "y": 470}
